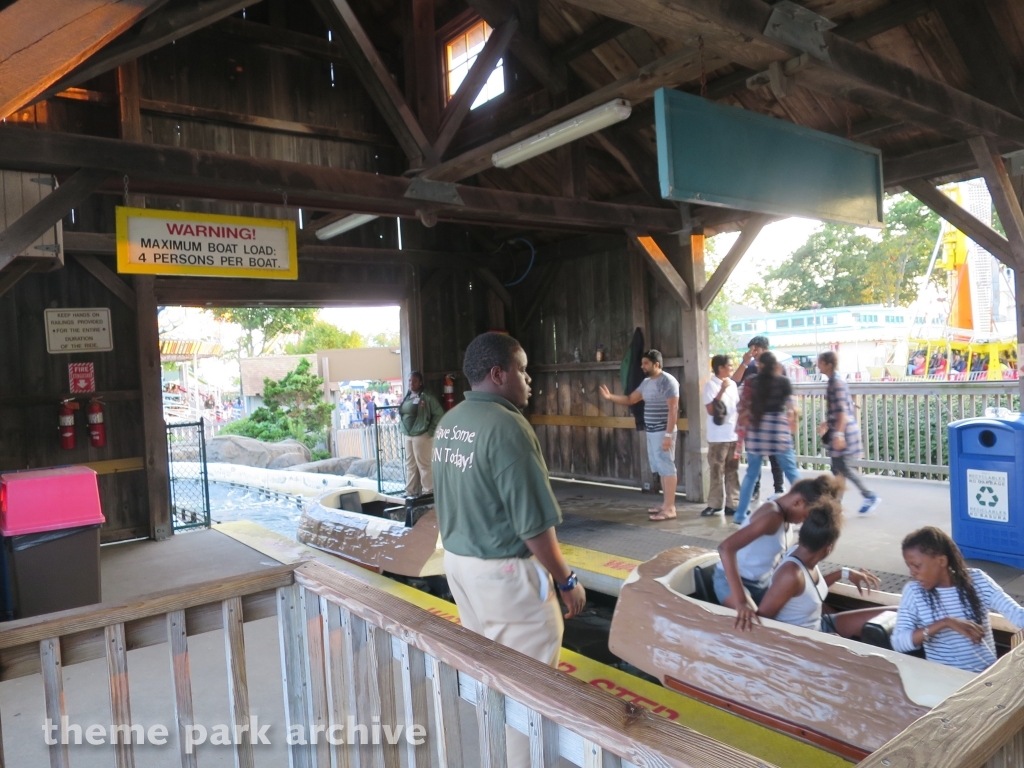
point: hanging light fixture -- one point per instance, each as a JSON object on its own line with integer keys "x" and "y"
{"x": 614, "y": 111}
{"x": 344, "y": 225}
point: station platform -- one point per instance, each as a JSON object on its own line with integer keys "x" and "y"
{"x": 615, "y": 520}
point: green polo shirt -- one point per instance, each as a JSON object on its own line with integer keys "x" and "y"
{"x": 490, "y": 481}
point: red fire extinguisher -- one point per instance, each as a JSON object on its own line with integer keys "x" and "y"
{"x": 66, "y": 420}
{"x": 97, "y": 430}
{"x": 449, "y": 392}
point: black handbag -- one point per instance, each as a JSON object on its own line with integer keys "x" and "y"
{"x": 720, "y": 411}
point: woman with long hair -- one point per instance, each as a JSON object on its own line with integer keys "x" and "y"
{"x": 749, "y": 556}
{"x": 799, "y": 588}
{"x": 841, "y": 432}
{"x": 945, "y": 607}
{"x": 767, "y": 428}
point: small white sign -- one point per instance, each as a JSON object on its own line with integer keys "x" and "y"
{"x": 78, "y": 330}
{"x": 988, "y": 495}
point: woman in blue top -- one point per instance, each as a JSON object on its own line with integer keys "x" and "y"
{"x": 945, "y": 608}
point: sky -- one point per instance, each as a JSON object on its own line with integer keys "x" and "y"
{"x": 771, "y": 247}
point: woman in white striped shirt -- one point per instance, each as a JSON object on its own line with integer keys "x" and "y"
{"x": 945, "y": 608}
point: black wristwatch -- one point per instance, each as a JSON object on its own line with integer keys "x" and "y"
{"x": 570, "y": 583}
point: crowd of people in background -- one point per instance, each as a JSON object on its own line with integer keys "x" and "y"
{"x": 361, "y": 407}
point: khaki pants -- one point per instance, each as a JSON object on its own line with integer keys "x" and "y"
{"x": 724, "y": 466}
{"x": 501, "y": 600}
{"x": 419, "y": 477}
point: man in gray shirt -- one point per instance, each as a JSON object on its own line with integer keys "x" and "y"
{"x": 660, "y": 393}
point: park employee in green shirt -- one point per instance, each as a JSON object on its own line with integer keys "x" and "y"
{"x": 419, "y": 415}
{"x": 497, "y": 512}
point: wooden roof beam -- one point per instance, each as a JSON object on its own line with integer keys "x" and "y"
{"x": 457, "y": 109}
{"x": 1004, "y": 198}
{"x": 597, "y": 35}
{"x": 737, "y": 30}
{"x": 667, "y": 71}
{"x": 177, "y": 172}
{"x": 160, "y": 29}
{"x": 875, "y": 22}
{"x": 43, "y": 40}
{"x": 960, "y": 218}
{"x": 732, "y": 259}
{"x": 993, "y": 74}
{"x": 377, "y": 80}
{"x": 529, "y": 50}
{"x": 662, "y": 268}
{"x": 934, "y": 163}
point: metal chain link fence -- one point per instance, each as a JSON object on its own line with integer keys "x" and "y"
{"x": 190, "y": 486}
{"x": 390, "y": 450}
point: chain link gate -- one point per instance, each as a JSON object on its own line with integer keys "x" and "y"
{"x": 190, "y": 485}
{"x": 390, "y": 450}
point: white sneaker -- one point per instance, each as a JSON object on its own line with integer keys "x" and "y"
{"x": 870, "y": 505}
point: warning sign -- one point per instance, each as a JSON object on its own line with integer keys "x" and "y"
{"x": 988, "y": 495}
{"x": 82, "y": 378}
{"x": 154, "y": 242}
{"x": 78, "y": 330}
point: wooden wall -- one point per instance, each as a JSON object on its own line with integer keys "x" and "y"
{"x": 33, "y": 382}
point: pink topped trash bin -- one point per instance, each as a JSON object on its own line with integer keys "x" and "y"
{"x": 50, "y": 526}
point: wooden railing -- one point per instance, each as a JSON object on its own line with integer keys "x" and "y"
{"x": 903, "y": 424}
{"x": 351, "y": 652}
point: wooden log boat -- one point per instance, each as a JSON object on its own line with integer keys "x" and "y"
{"x": 843, "y": 695}
{"x": 370, "y": 529}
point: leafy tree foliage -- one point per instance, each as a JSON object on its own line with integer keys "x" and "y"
{"x": 293, "y": 407}
{"x": 387, "y": 339}
{"x": 324, "y": 335}
{"x": 262, "y": 326}
{"x": 837, "y": 266}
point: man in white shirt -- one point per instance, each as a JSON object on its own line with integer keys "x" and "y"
{"x": 721, "y": 398}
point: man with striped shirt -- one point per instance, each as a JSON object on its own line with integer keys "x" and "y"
{"x": 660, "y": 393}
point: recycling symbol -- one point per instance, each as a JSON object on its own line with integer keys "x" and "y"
{"x": 986, "y": 497}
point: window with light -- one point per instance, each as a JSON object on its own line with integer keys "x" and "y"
{"x": 460, "y": 54}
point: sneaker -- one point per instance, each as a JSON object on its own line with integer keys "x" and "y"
{"x": 870, "y": 505}
{"x": 729, "y": 511}
{"x": 708, "y": 512}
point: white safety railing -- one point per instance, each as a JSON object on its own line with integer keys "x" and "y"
{"x": 903, "y": 424}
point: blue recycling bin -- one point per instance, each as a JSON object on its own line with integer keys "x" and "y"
{"x": 986, "y": 470}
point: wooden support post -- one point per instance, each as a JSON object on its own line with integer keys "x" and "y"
{"x": 53, "y": 698}
{"x": 689, "y": 259}
{"x": 120, "y": 702}
{"x": 340, "y": 675}
{"x": 316, "y": 677}
{"x": 410, "y": 324}
{"x": 428, "y": 80}
{"x": 1011, "y": 216}
{"x": 238, "y": 685}
{"x": 181, "y": 681}
{"x": 641, "y": 320}
{"x": 148, "y": 339}
{"x": 291, "y": 634}
{"x": 543, "y": 740}
{"x": 490, "y": 718}
{"x": 444, "y": 690}
{"x": 414, "y": 702}
{"x": 153, "y": 426}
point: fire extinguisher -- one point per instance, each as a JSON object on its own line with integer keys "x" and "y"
{"x": 97, "y": 430}
{"x": 449, "y": 392}
{"x": 66, "y": 420}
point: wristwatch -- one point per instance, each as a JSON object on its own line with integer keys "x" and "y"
{"x": 570, "y": 583}
{"x": 846, "y": 574}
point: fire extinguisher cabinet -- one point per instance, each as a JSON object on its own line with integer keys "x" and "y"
{"x": 50, "y": 531}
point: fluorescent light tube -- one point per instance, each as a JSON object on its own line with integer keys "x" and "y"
{"x": 613, "y": 112}
{"x": 344, "y": 225}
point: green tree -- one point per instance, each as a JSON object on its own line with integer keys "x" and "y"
{"x": 837, "y": 266}
{"x": 721, "y": 340}
{"x": 293, "y": 407}
{"x": 262, "y": 326}
{"x": 386, "y": 339}
{"x": 324, "y": 335}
